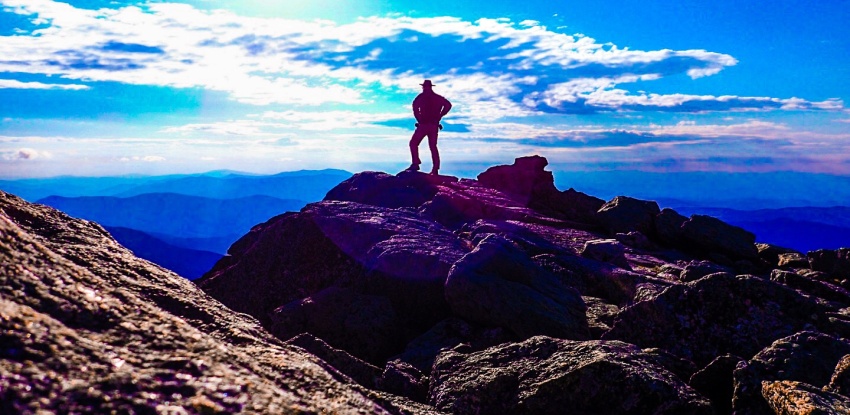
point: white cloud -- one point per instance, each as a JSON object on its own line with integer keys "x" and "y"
{"x": 229, "y": 128}
{"x": 761, "y": 130}
{"x": 272, "y": 123}
{"x": 264, "y": 61}
{"x": 601, "y": 93}
{"x": 146, "y": 159}
{"x": 330, "y": 120}
{"x": 752, "y": 128}
{"x": 15, "y": 84}
{"x": 24, "y": 154}
{"x": 185, "y": 47}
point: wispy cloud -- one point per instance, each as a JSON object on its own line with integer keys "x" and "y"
{"x": 235, "y": 128}
{"x": 273, "y": 123}
{"x": 599, "y": 94}
{"x": 15, "y": 84}
{"x": 146, "y": 159}
{"x": 331, "y": 120}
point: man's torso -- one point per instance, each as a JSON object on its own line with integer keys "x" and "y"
{"x": 429, "y": 106}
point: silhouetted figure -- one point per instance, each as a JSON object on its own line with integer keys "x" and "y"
{"x": 428, "y": 108}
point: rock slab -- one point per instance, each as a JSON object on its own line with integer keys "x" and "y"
{"x": 543, "y": 375}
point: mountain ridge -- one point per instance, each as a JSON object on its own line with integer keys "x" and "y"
{"x": 176, "y": 214}
{"x": 188, "y": 263}
{"x": 74, "y": 186}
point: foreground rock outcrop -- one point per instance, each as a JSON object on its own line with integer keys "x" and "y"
{"x": 86, "y": 327}
{"x": 416, "y": 294}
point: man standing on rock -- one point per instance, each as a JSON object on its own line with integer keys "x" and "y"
{"x": 428, "y": 108}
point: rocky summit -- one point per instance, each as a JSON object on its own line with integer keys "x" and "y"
{"x": 416, "y": 294}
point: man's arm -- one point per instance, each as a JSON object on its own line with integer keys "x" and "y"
{"x": 417, "y": 108}
{"x": 447, "y": 106}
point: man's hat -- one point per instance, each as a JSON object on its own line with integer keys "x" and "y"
{"x": 427, "y": 83}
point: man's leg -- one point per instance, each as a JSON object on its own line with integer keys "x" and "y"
{"x": 415, "y": 140}
{"x": 435, "y": 154}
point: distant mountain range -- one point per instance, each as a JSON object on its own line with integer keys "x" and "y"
{"x": 217, "y": 244}
{"x": 742, "y": 191}
{"x": 802, "y": 228}
{"x": 309, "y": 185}
{"x": 303, "y": 185}
{"x": 186, "y": 234}
{"x": 188, "y": 263}
{"x": 182, "y": 222}
{"x": 174, "y": 214}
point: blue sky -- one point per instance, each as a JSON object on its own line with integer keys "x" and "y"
{"x": 124, "y": 87}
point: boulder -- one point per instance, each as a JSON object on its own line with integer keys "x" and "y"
{"x": 697, "y": 269}
{"x": 713, "y": 235}
{"x": 523, "y": 180}
{"x": 569, "y": 204}
{"x": 787, "y": 397}
{"x": 498, "y": 285}
{"x": 835, "y": 262}
{"x": 624, "y": 214}
{"x": 670, "y": 272}
{"x": 411, "y": 269}
{"x": 609, "y": 282}
{"x": 407, "y": 189}
{"x": 534, "y": 238}
{"x": 682, "y": 368}
{"x": 606, "y": 250}
{"x": 456, "y": 206}
{"x": 813, "y": 287}
{"x": 518, "y": 233}
{"x": 363, "y": 325}
{"x": 533, "y": 187}
{"x": 375, "y": 250}
{"x": 792, "y": 260}
{"x": 600, "y": 315}
{"x": 840, "y": 381}
{"x": 771, "y": 253}
{"x": 648, "y": 291}
{"x": 668, "y": 227}
{"x": 715, "y": 315}
{"x": 814, "y": 275}
{"x": 808, "y": 357}
{"x": 543, "y": 375}
{"x": 636, "y": 240}
{"x": 403, "y": 379}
